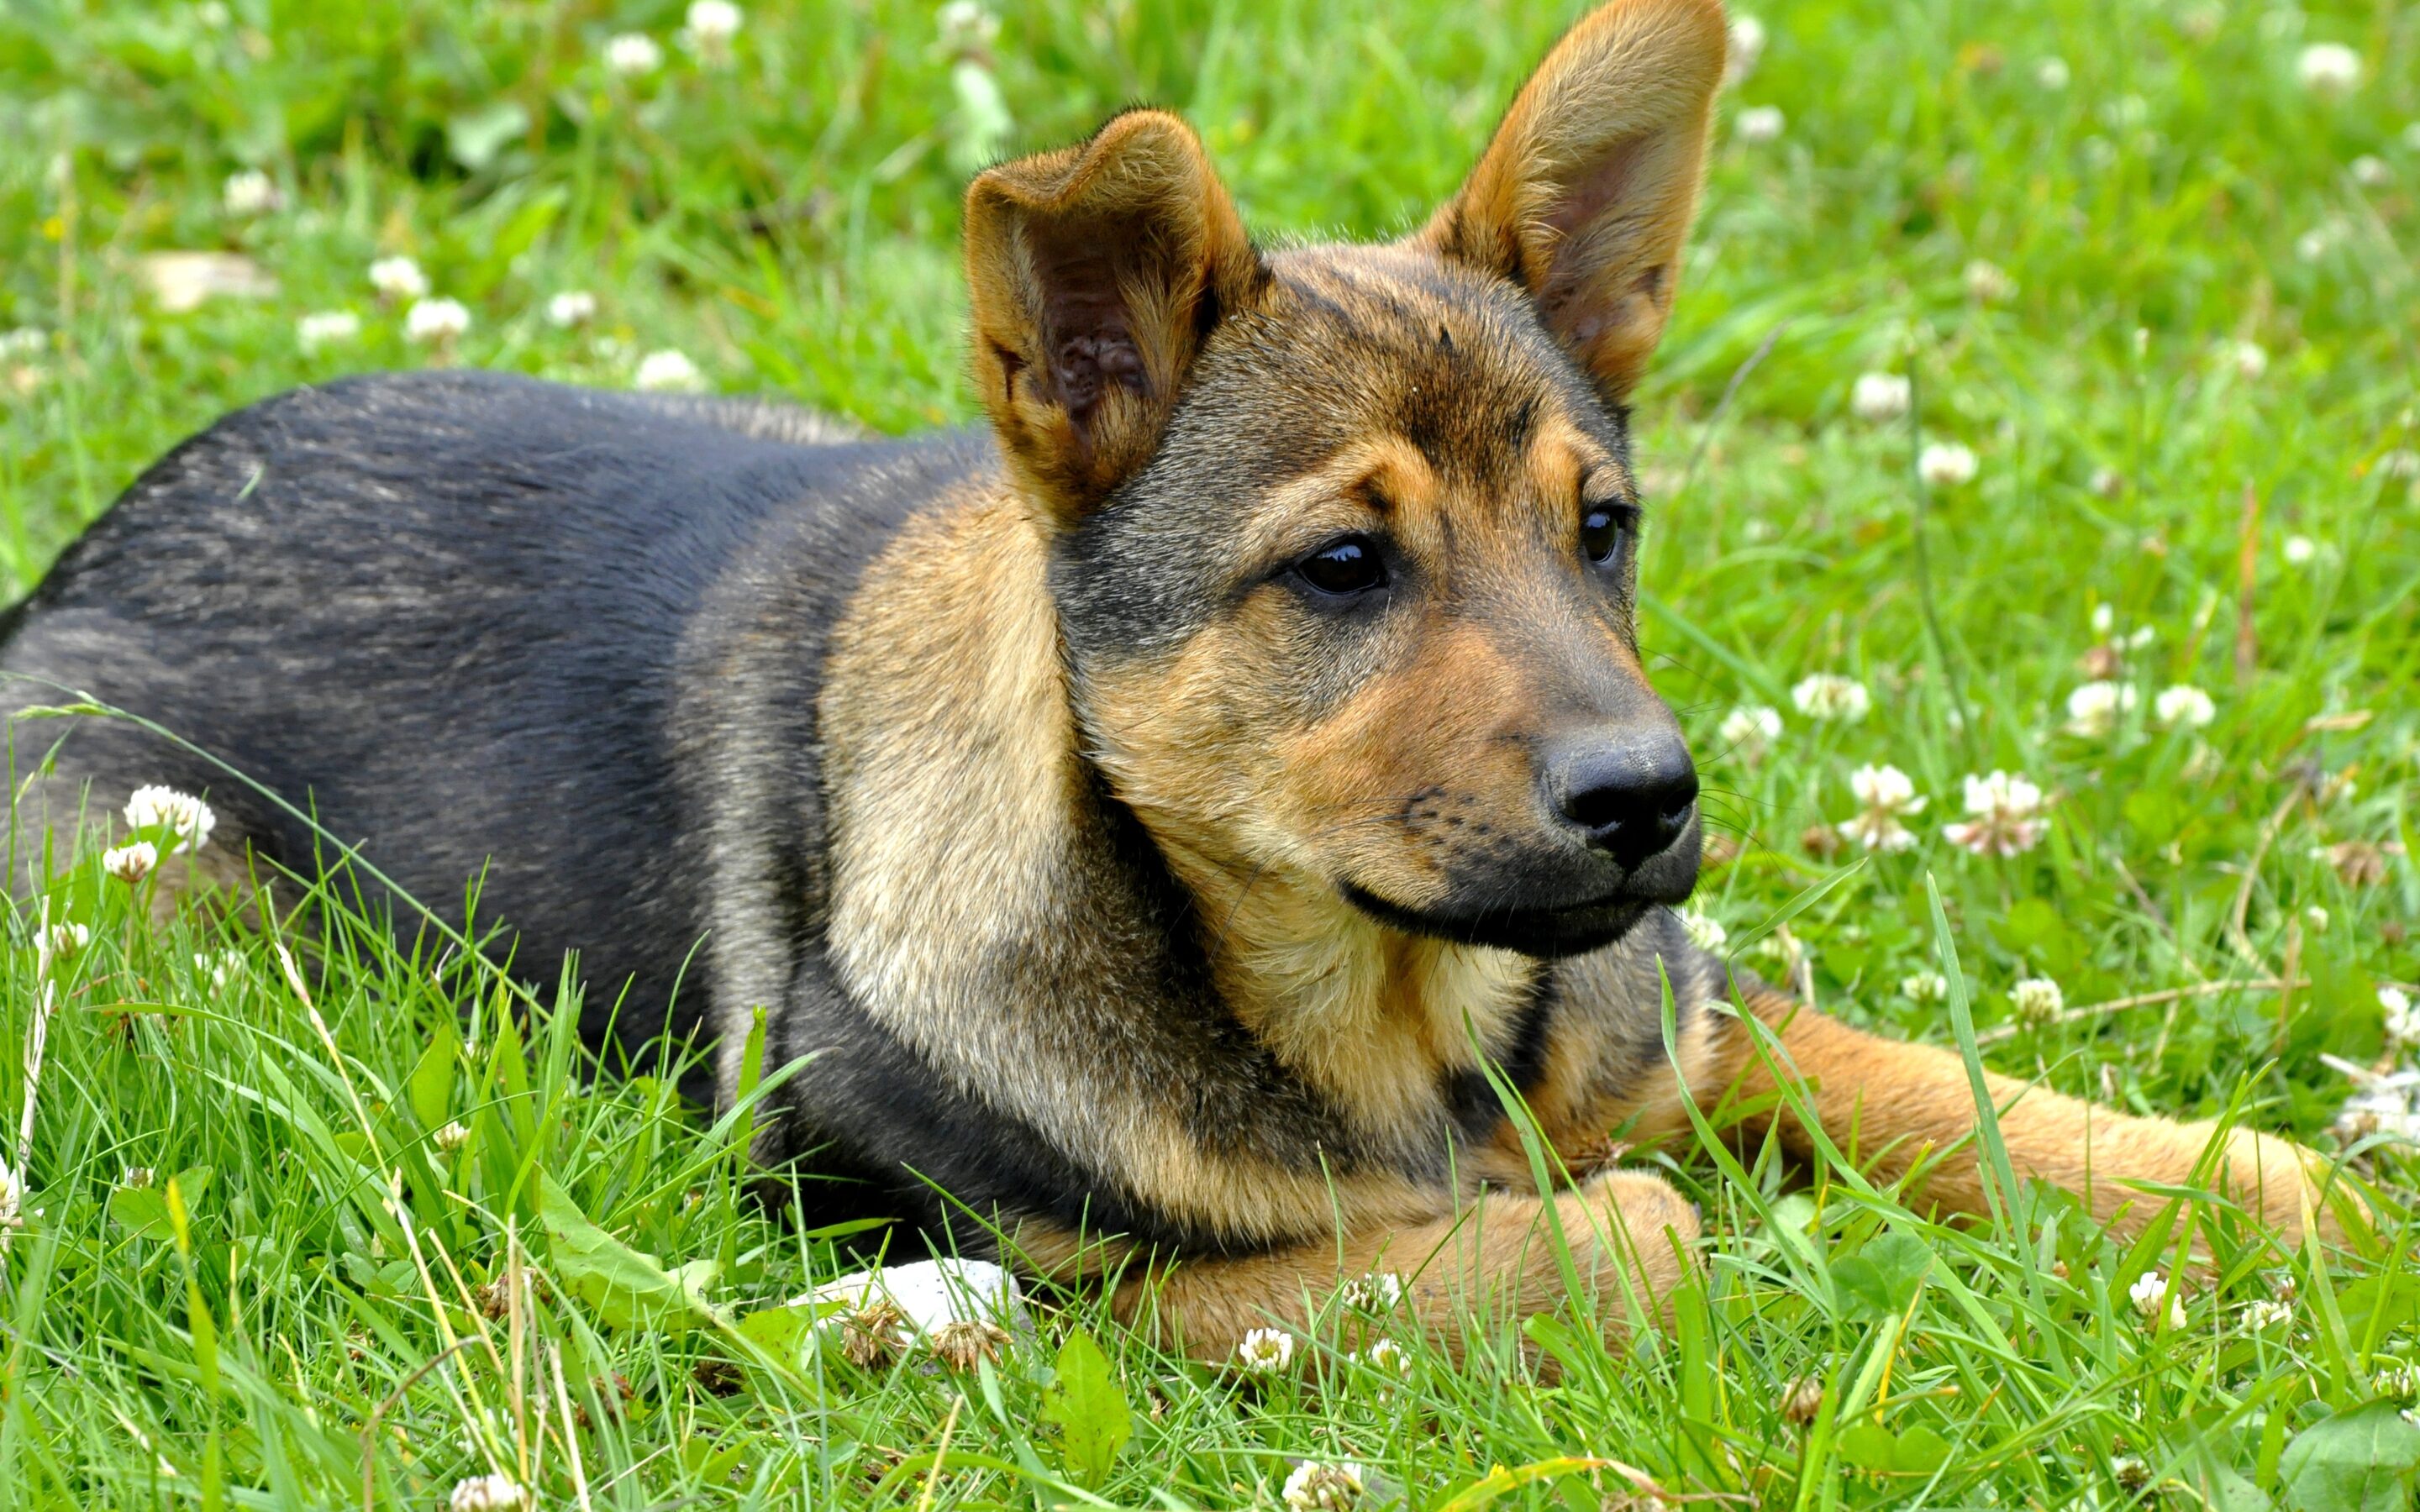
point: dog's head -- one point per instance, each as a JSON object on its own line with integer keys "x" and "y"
{"x": 1343, "y": 538}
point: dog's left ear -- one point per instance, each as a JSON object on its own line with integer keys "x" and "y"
{"x": 1585, "y": 194}
{"x": 1096, "y": 272}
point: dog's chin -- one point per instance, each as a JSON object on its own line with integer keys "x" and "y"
{"x": 1547, "y": 934}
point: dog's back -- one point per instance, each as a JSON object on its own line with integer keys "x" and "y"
{"x": 447, "y": 611}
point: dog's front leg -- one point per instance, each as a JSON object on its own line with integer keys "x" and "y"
{"x": 1495, "y": 1258}
{"x": 1897, "y": 1102}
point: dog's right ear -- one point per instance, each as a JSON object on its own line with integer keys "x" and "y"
{"x": 1096, "y": 271}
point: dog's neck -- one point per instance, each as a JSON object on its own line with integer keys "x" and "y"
{"x": 1372, "y": 1016}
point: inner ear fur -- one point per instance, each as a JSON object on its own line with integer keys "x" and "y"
{"x": 1585, "y": 194}
{"x": 1096, "y": 271}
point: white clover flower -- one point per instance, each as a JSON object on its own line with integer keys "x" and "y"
{"x": 965, "y": 24}
{"x": 250, "y": 192}
{"x": 398, "y": 278}
{"x": 2184, "y": 706}
{"x": 1831, "y": 696}
{"x": 1945, "y": 464}
{"x": 1705, "y": 932}
{"x": 2399, "y": 463}
{"x": 1925, "y": 987}
{"x": 1746, "y": 50}
{"x": 2300, "y": 550}
{"x": 326, "y": 328}
{"x": 221, "y": 968}
{"x": 131, "y": 864}
{"x": 1988, "y": 283}
{"x": 668, "y": 370}
{"x": 2317, "y": 917}
{"x": 2094, "y": 709}
{"x": 2155, "y": 1299}
{"x": 2370, "y": 171}
{"x": 1322, "y": 1488}
{"x": 1751, "y": 730}
{"x": 186, "y": 817}
{"x": 1377, "y": 1292}
{"x": 2249, "y": 358}
{"x": 1389, "y": 1356}
{"x": 2329, "y": 68}
{"x": 487, "y": 1493}
{"x": 2038, "y": 1001}
{"x": 712, "y": 24}
{"x": 12, "y": 1198}
{"x": 24, "y": 341}
{"x": 632, "y": 55}
{"x": 1881, "y": 397}
{"x": 2313, "y": 244}
{"x": 2266, "y": 1313}
{"x": 1265, "y": 1351}
{"x": 2398, "y": 1380}
{"x": 1888, "y": 796}
{"x": 61, "y": 941}
{"x": 2053, "y": 74}
{"x": 2003, "y": 815}
{"x": 435, "y": 322}
{"x": 1759, "y": 123}
{"x": 572, "y": 307}
{"x": 2107, "y": 483}
{"x": 2402, "y": 1017}
{"x": 451, "y": 1137}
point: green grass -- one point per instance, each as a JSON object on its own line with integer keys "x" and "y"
{"x": 788, "y": 223}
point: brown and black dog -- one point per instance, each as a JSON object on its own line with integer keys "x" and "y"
{"x": 1150, "y": 820}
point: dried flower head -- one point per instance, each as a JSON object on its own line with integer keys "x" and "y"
{"x": 2003, "y": 815}
{"x": 873, "y": 1334}
{"x": 1265, "y": 1351}
{"x": 1830, "y": 696}
{"x": 962, "y": 1343}
{"x": 1804, "y": 1399}
{"x": 186, "y": 818}
{"x": 131, "y": 863}
{"x": 1881, "y": 397}
{"x": 2358, "y": 862}
{"x": 1315, "y": 1487}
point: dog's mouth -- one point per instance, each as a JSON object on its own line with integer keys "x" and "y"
{"x": 1547, "y": 934}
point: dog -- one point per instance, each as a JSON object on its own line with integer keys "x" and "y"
{"x": 1162, "y": 830}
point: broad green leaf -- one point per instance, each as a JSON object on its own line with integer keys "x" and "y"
{"x": 2361, "y": 1461}
{"x": 1869, "y": 1447}
{"x": 1089, "y": 1408}
{"x": 1881, "y": 1279}
{"x": 431, "y": 1086}
{"x": 625, "y": 1287}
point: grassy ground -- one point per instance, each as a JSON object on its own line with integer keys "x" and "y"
{"x": 2187, "y": 376}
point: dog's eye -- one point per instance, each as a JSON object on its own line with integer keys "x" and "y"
{"x": 1601, "y": 532}
{"x": 1343, "y": 567}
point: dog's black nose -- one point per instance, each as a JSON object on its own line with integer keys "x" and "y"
{"x": 1630, "y": 791}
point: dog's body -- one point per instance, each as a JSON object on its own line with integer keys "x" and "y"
{"x": 1153, "y": 820}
